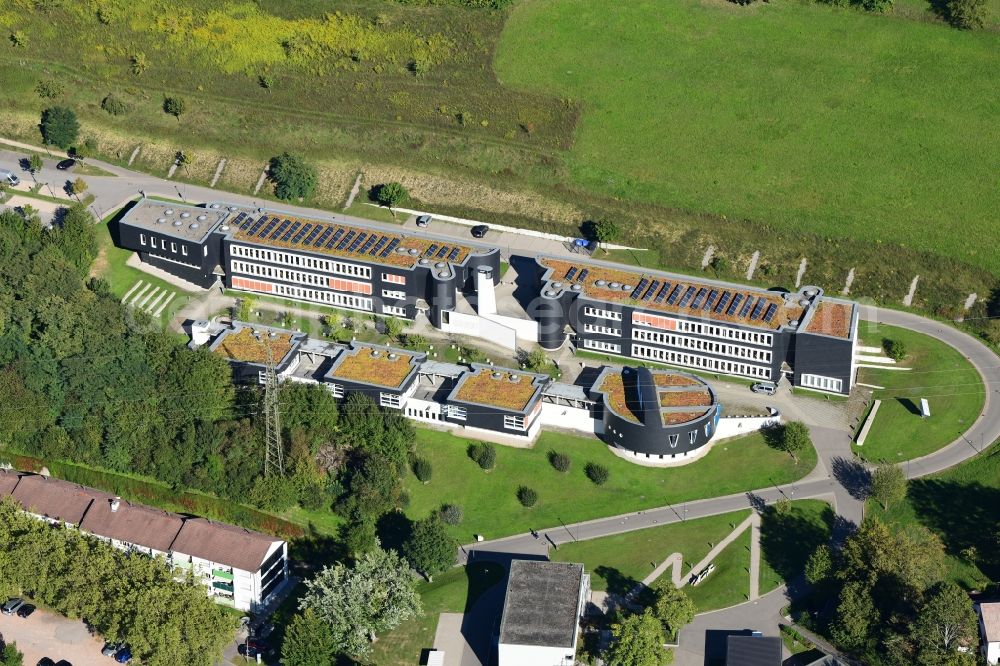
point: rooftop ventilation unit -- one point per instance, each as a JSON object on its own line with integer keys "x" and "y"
{"x": 496, "y": 375}
{"x": 162, "y": 220}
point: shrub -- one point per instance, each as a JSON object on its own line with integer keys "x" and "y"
{"x": 391, "y": 194}
{"x": 484, "y": 453}
{"x": 423, "y": 470}
{"x": 115, "y": 105}
{"x": 49, "y": 88}
{"x": 597, "y": 473}
{"x": 174, "y": 106}
{"x": 59, "y": 126}
{"x": 293, "y": 177}
{"x": 560, "y": 461}
{"x": 966, "y": 14}
{"x": 451, "y": 514}
{"x": 894, "y": 349}
{"x": 527, "y": 497}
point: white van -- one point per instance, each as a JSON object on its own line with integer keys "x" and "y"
{"x": 9, "y": 178}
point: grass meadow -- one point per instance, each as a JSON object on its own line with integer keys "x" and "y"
{"x": 815, "y": 118}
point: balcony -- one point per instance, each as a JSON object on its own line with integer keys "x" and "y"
{"x": 223, "y": 574}
{"x": 224, "y": 587}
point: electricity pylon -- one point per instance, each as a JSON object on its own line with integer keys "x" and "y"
{"x": 274, "y": 462}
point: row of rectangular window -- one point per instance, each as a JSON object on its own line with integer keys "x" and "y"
{"x": 393, "y": 310}
{"x": 686, "y": 342}
{"x": 713, "y": 331}
{"x": 327, "y": 297}
{"x": 299, "y": 277}
{"x": 163, "y": 244}
{"x": 605, "y": 330}
{"x": 390, "y": 400}
{"x": 513, "y": 422}
{"x": 289, "y": 259}
{"x": 602, "y": 314}
{"x": 822, "y": 383}
{"x": 703, "y": 362}
{"x": 601, "y": 345}
{"x": 397, "y": 295}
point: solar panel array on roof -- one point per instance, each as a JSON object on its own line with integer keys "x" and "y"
{"x": 570, "y": 273}
{"x": 675, "y": 294}
{"x": 326, "y": 234}
{"x": 432, "y": 249}
{"x": 737, "y": 299}
{"x": 379, "y": 245}
{"x": 453, "y": 254}
{"x": 291, "y": 230}
{"x": 280, "y": 230}
{"x": 711, "y": 298}
{"x": 663, "y": 292}
{"x": 699, "y": 298}
{"x": 393, "y": 244}
{"x": 346, "y": 239}
{"x": 583, "y": 275}
{"x": 368, "y": 244}
{"x": 271, "y": 224}
{"x": 722, "y": 302}
{"x": 317, "y": 230}
{"x": 746, "y": 307}
{"x": 240, "y": 219}
{"x": 758, "y": 309}
{"x": 300, "y": 234}
{"x": 688, "y": 295}
{"x": 772, "y": 309}
{"x": 651, "y": 291}
{"x": 639, "y": 288}
{"x": 256, "y": 226}
{"x": 443, "y": 251}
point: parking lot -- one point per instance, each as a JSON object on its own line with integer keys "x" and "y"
{"x": 47, "y": 634}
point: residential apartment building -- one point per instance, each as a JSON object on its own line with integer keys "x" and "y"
{"x": 701, "y": 324}
{"x": 239, "y": 567}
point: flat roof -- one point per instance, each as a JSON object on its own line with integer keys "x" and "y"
{"x": 831, "y": 318}
{"x": 753, "y": 651}
{"x": 542, "y": 604}
{"x": 636, "y": 393}
{"x": 498, "y": 387}
{"x": 350, "y": 241}
{"x": 244, "y": 343}
{"x": 187, "y": 222}
{"x": 374, "y": 364}
{"x": 677, "y": 294}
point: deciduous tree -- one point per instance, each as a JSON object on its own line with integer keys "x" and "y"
{"x": 391, "y": 194}
{"x": 673, "y": 608}
{"x": 888, "y": 485}
{"x": 307, "y": 641}
{"x": 945, "y": 621}
{"x": 293, "y": 177}
{"x": 637, "y": 640}
{"x": 430, "y": 549}
{"x": 59, "y": 126}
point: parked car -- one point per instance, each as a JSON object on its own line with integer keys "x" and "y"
{"x": 65, "y": 165}
{"x": 479, "y": 231}
{"x": 11, "y": 606}
{"x": 110, "y": 649}
{"x": 423, "y": 220}
{"x": 252, "y": 647}
{"x": 25, "y": 610}
{"x": 45, "y": 661}
{"x": 764, "y": 388}
{"x": 9, "y": 177}
{"x": 124, "y": 655}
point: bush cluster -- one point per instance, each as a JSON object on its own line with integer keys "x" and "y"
{"x": 423, "y": 470}
{"x": 484, "y": 453}
{"x": 451, "y": 514}
{"x": 894, "y": 349}
{"x": 560, "y": 461}
{"x": 597, "y": 473}
{"x": 527, "y": 496}
{"x": 115, "y": 105}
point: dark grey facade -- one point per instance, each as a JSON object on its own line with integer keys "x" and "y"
{"x": 646, "y": 429}
{"x": 489, "y": 415}
{"x": 700, "y": 337}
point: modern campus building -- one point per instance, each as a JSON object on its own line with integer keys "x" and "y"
{"x": 239, "y": 567}
{"x": 541, "y": 613}
{"x": 344, "y": 265}
{"x": 695, "y": 323}
{"x": 600, "y": 307}
{"x": 653, "y": 416}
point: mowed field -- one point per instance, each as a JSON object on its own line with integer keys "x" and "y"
{"x": 807, "y": 116}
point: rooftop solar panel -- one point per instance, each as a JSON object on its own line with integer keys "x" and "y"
{"x": 280, "y": 230}
{"x": 357, "y": 241}
{"x": 240, "y": 219}
{"x": 699, "y": 298}
{"x": 316, "y": 231}
{"x": 336, "y": 236}
{"x": 390, "y": 247}
{"x": 772, "y": 309}
{"x": 675, "y": 294}
{"x": 346, "y": 239}
{"x": 431, "y": 250}
{"x": 453, "y": 254}
{"x": 663, "y": 292}
{"x": 302, "y": 233}
{"x": 712, "y": 295}
{"x": 379, "y": 245}
{"x": 443, "y": 251}
{"x": 255, "y": 227}
{"x": 639, "y": 288}
{"x": 758, "y": 309}
{"x": 570, "y": 274}
{"x": 688, "y": 295}
{"x": 368, "y": 244}
{"x": 271, "y": 224}
{"x": 290, "y": 231}
{"x": 737, "y": 299}
{"x": 746, "y": 307}
{"x": 723, "y": 301}
{"x": 651, "y": 291}
{"x": 583, "y": 275}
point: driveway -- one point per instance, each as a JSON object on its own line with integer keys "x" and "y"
{"x": 48, "y": 634}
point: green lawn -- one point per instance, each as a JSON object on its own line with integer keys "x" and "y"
{"x": 491, "y": 508}
{"x": 361, "y": 208}
{"x": 811, "y": 117}
{"x": 962, "y": 505}
{"x": 939, "y": 373}
{"x": 788, "y": 539}
{"x": 729, "y": 584}
{"x": 618, "y": 563}
{"x": 451, "y": 592}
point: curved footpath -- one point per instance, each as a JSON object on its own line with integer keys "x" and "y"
{"x": 821, "y": 484}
